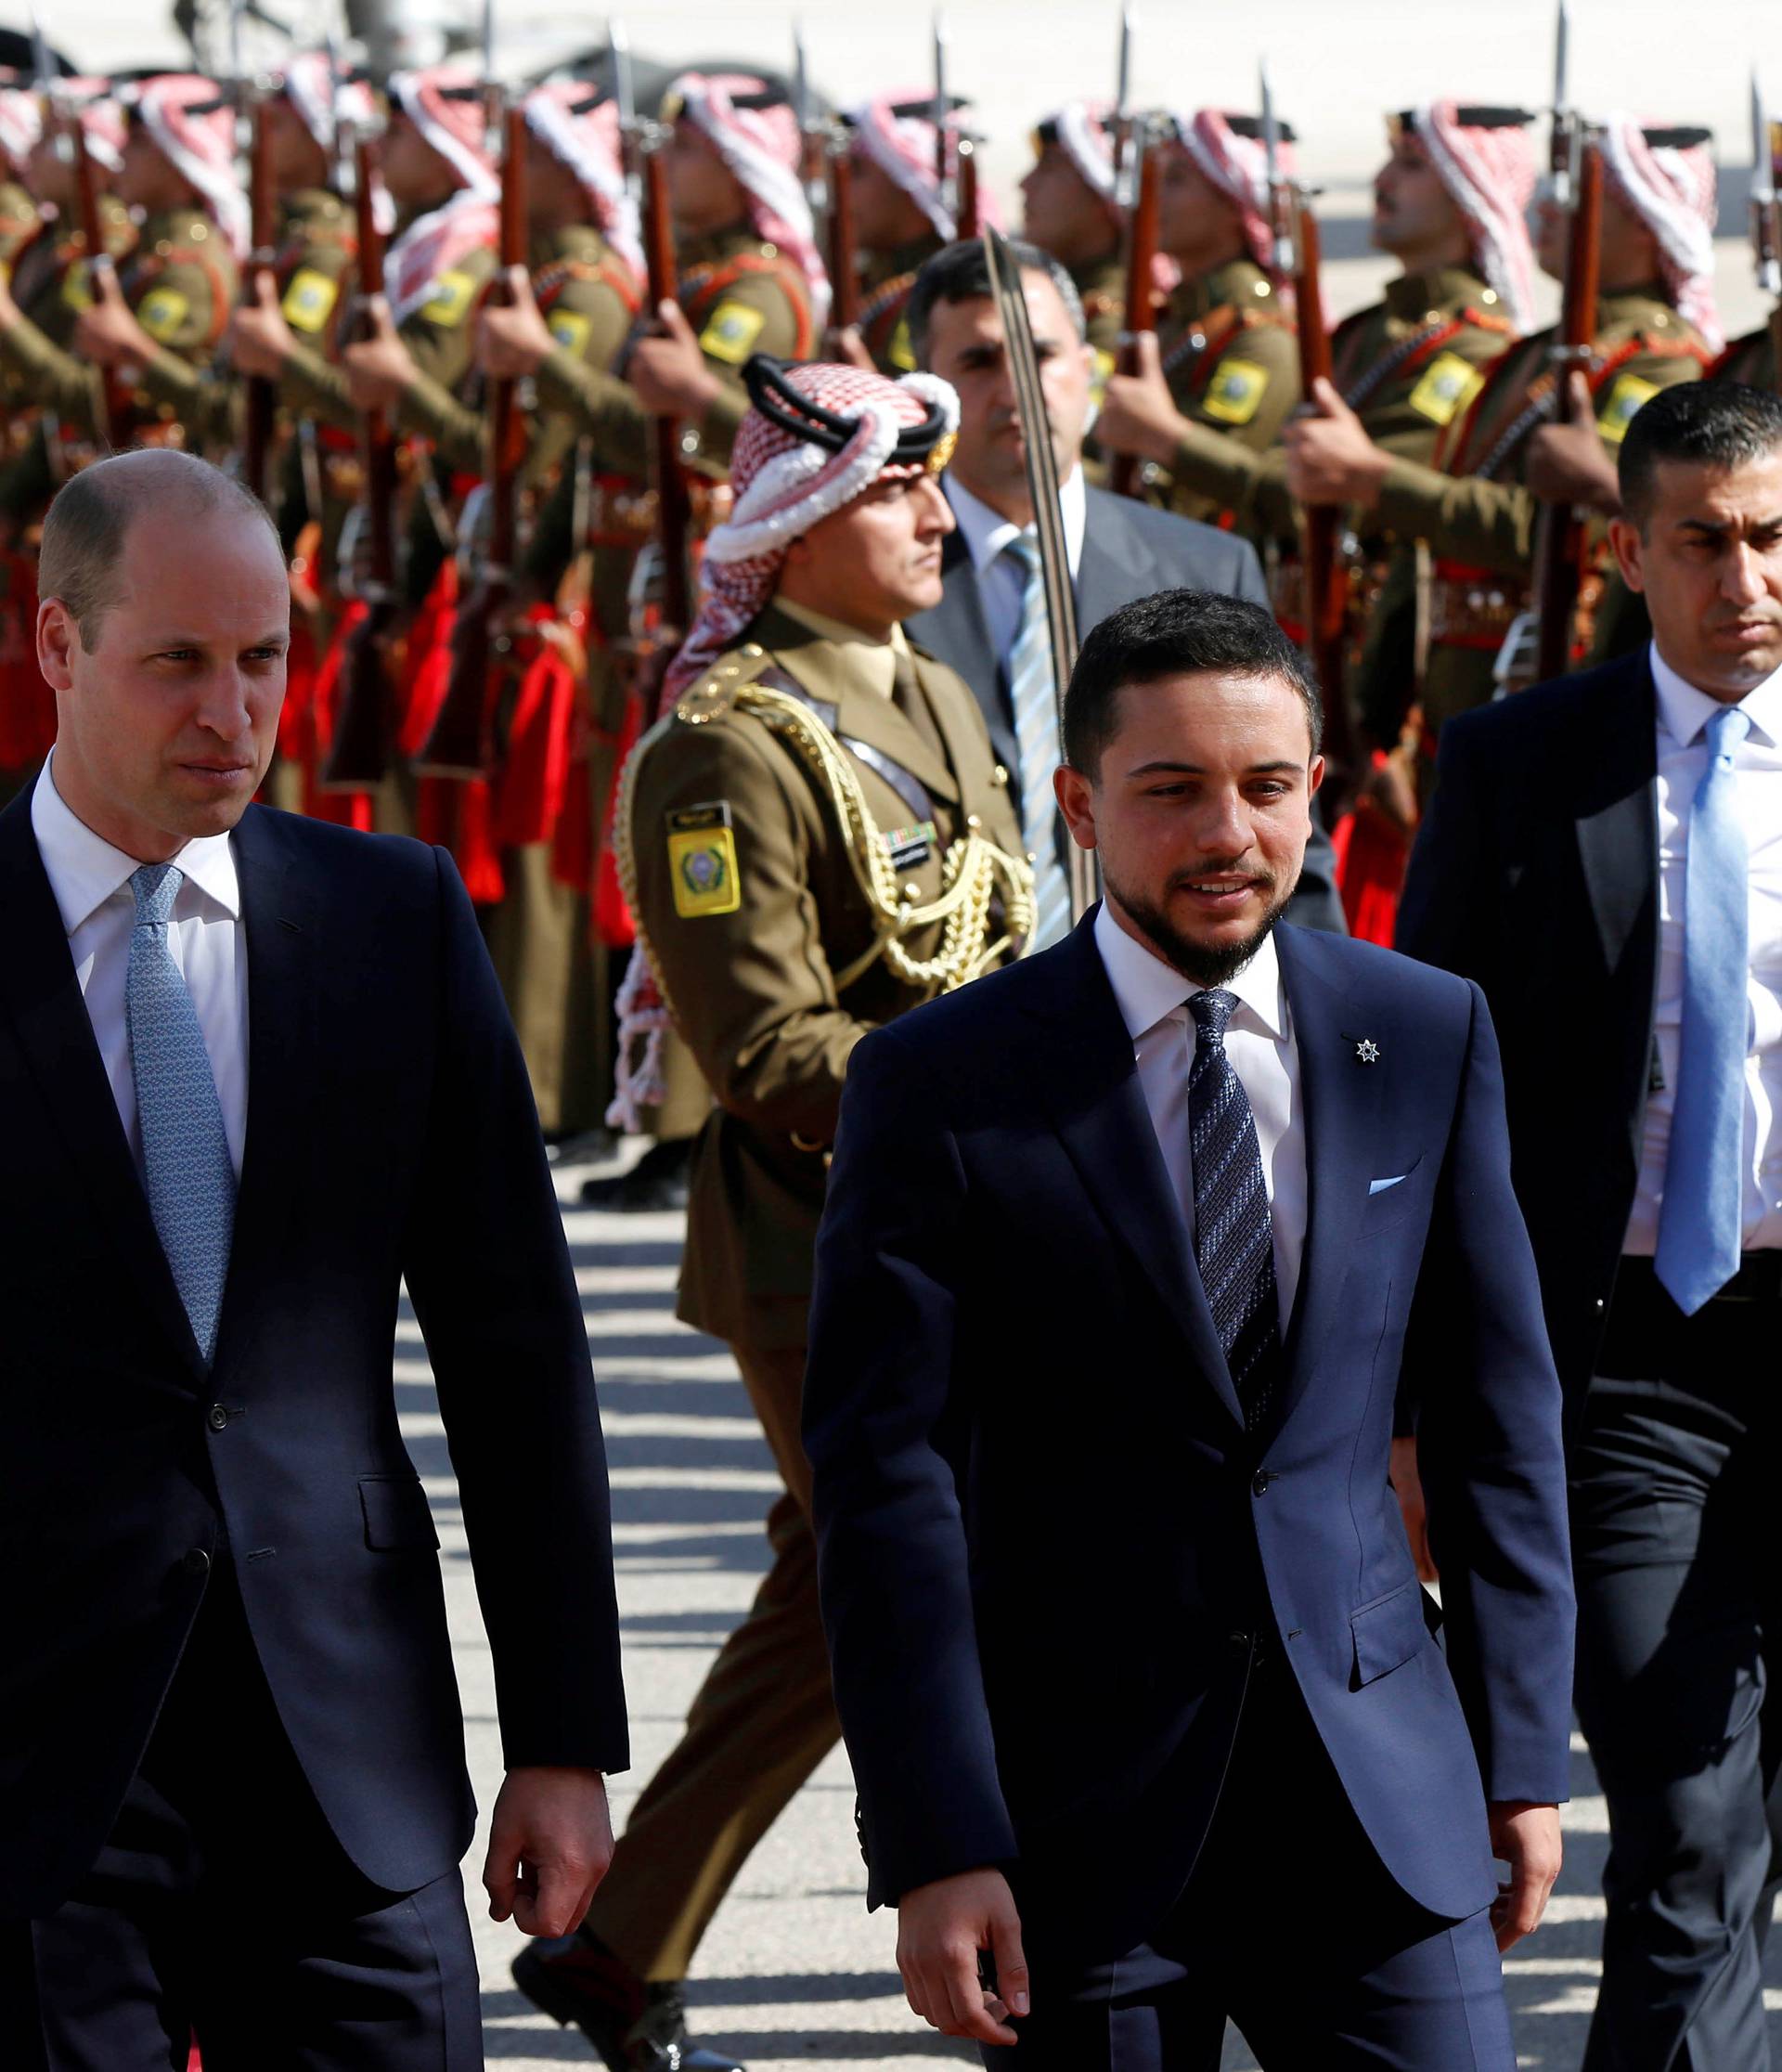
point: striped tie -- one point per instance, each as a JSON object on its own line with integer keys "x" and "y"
{"x": 1034, "y": 693}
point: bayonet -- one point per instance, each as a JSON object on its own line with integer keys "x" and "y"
{"x": 1563, "y": 167}
{"x": 1123, "y": 107}
{"x": 1763, "y": 222}
{"x": 618, "y": 46}
{"x": 1272, "y": 159}
{"x": 943, "y": 153}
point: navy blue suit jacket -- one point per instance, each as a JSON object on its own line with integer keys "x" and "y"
{"x": 1040, "y": 1522}
{"x": 390, "y": 1133}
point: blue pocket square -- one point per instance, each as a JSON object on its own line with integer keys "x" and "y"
{"x": 1380, "y": 1186}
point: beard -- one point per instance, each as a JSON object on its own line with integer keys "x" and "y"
{"x": 1206, "y": 965}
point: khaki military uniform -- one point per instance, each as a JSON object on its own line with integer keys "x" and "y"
{"x": 746, "y": 890}
{"x": 1232, "y": 359}
{"x": 22, "y": 225}
{"x": 1478, "y": 517}
{"x": 886, "y": 278}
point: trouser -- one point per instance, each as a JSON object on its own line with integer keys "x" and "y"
{"x": 540, "y": 947}
{"x": 221, "y": 1905}
{"x": 1291, "y": 1927}
{"x": 1679, "y": 1597}
{"x": 762, "y": 1720}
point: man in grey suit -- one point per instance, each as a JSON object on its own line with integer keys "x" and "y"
{"x": 989, "y": 623}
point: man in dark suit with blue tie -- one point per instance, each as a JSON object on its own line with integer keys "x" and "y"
{"x": 990, "y": 625}
{"x": 255, "y": 1073}
{"x": 1604, "y": 858}
{"x": 1128, "y": 1253}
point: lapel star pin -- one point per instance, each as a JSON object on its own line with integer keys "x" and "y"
{"x": 1368, "y": 1051}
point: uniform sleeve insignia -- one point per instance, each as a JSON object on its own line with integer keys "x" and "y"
{"x": 450, "y": 302}
{"x": 77, "y": 286}
{"x": 900, "y": 353}
{"x": 731, "y": 332}
{"x": 1626, "y": 395}
{"x": 309, "y": 299}
{"x": 702, "y": 861}
{"x": 1235, "y": 394}
{"x": 163, "y": 313}
{"x": 1449, "y": 384}
{"x": 570, "y": 331}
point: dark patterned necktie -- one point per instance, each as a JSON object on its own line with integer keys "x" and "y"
{"x": 1234, "y": 1238}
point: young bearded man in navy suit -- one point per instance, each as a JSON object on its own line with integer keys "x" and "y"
{"x": 1129, "y": 1255}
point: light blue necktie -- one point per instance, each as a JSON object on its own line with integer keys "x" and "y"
{"x": 184, "y": 1147}
{"x": 1701, "y": 1219}
{"x": 1033, "y": 692}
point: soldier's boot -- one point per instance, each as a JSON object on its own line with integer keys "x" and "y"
{"x": 657, "y": 1181}
{"x": 636, "y": 2026}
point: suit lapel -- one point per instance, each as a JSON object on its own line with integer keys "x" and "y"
{"x": 1097, "y": 1107}
{"x": 43, "y": 996}
{"x": 956, "y": 632}
{"x": 1618, "y": 830}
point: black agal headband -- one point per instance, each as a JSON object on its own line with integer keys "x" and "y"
{"x": 792, "y": 411}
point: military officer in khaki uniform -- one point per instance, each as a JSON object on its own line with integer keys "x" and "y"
{"x": 900, "y": 216}
{"x": 816, "y": 841}
{"x": 1475, "y": 506}
{"x": 1069, "y": 209}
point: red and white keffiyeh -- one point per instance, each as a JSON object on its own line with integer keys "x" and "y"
{"x": 192, "y": 122}
{"x": 570, "y": 119}
{"x": 454, "y": 122}
{"x": 781, "y": 486}
{"x": 21, "y": 123}
{"x": 324, "y": 101}
{"x": 1237, "y": 164}
{"x": 763, "y": 149}
{"x": 897, "y": 132}
{"x": 1085, "y": 134}
{"x": 1489, "y": 172}
{"x": 1672, "y": 188}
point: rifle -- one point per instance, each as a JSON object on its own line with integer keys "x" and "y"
{"x": 1136, "y": 184}
{"x": 260, "y": 400}
{"x": 829, "y": 187}
{"x": 462, "y": 742}
{"x": 1560, "y": 532}
{"x": 359, "y": 757}
{"x": 1766, "y": 223}
{"x": 665, "y": 558}
{"x": 1325, "y": 609}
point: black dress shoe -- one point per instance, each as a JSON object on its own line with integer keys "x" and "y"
{"x": 657, "y": 1181}
{"x": 581, "y": 1147}
{"x": 636, "y": 2028}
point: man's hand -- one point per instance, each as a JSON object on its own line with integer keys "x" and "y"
{"x": 1527, "y": 1837}
{"x": 259, "y": 337}
{"x": 106, "y": 330}
{"x": 1330, "y": 458}
{"x": 10, "y": 313}
{"x": 667, "y": 369}
{"x": 847, "y": 345}
{"x": 1566, "y": 464}
{"x": 380, "y": 371}
{"x": 1138, "y": 414}
{"x": 941, "y": 1928}
{"x": 513, "y": 341}
{"x": 1403, "y": 1474}
{"x": 550, "y": 1839}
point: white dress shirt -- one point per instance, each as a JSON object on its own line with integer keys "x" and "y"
{"x": 91, "y": 881}
{"x": 1153, "y": 998}
{"x": 1001, "y": 584}
{"x": 1683, "y": 715}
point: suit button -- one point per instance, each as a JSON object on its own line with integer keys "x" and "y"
{"x": 197, "y": 1562}
{"x": 218, "y": 1418}
{"x": 1259, "y": 1481}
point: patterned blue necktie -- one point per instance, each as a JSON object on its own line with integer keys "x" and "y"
{"x": 1233, "y": 1237}
{"x": 184, "y": 1147}
{"x": 1701, "y": 1218}
{"x": 1033, "y": 693}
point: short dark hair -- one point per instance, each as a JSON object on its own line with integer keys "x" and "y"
{"x": 960, "y": 273}
{"x": 1177, "y": 632}
{"x": 89, "y": 522}
{"x": 1714, "y": 424}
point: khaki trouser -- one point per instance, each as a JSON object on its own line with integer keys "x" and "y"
{"x": 538, "y": 942}
{"x": 762, "y": 1720}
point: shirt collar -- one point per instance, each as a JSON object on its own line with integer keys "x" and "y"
{"x": 987, "y": 532}
{"x": 85, "y": 870}
{"x": 1684, "y": 711}
{"x": 1148, "y": 990}
{"x": 877, "y": 658}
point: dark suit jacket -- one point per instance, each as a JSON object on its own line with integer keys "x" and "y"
{"x": 1129, "y": 551}
{"x": 1040, "y": 1523}
{"x": 390, "y": 1133}
{"x": 1536, "y": 874}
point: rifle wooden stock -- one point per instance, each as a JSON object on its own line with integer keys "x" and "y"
{"x": 840, "y": 254}
{"x": 359, "y": 755}
{"x": 462, "y": 742}
{"x": 1560, "y": 535}
{"x": 1141, "y": 305}
{"x": 1324, "y": 591}
{"x": 260, "y": 401}
{"x": 971, "y": 211}
{"x": 115, "y": 405}
{"x": 674, "y": 516}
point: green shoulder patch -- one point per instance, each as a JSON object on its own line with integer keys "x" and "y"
{"x": 1235, "y": 394}
{"x": 702, "y": 861}
{"x": 309, "y": 299}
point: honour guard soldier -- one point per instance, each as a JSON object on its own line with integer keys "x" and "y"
{"x": 21, "y": 129}
{"x": 900, "y": 216}
{"x": 816, "y": 839}
{"x": 1069, "y": 207}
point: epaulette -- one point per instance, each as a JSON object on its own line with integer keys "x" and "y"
{"x": 1485, "y": 320}
{"x": 714, "y": 696}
